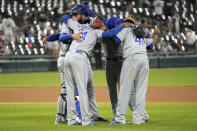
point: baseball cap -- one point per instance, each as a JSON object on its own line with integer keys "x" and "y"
{"x": 111, "y": 23}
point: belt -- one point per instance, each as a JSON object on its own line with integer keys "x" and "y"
{"x": 114, "y": 58}
{"x": 81, "y": 52}
{"x": 62, "y": 55}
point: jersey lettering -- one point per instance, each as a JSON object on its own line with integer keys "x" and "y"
{"x": 140, "y": 41}
{"x": 84, "y": 35}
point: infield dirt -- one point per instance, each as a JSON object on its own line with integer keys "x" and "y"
{"x": 50, "y": 95}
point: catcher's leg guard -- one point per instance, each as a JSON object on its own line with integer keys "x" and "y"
{"x": 61, "y": 104}
{"x": 77, "y": 104}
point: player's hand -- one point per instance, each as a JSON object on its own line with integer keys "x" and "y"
{"x": 45, "y": 39}
{"x": 127, "y": 24}
{"x": 77, "y": 36}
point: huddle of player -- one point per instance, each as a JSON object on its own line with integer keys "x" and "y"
{"x": 125, "y": 47}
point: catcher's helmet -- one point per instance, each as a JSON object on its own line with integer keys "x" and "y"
{"x": 81, "y": 8}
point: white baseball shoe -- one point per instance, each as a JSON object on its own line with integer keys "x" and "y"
{"x": 60, "y": 121}
{"x": 146, "y": 116}
{"x": 139, "y": 120}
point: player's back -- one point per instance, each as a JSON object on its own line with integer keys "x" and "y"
{"x": 89, "y": 40}
{"x": 89, "y": 36}
{"x": 84, "y": 29}
{"x": 133, "y": 45}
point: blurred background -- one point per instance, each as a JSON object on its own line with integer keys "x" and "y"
{"x": 23, "y": 24}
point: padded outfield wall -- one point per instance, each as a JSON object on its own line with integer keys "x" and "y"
{"x": 29, "y": 64}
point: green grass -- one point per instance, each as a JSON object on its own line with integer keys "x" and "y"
{"x": 36, "y": 117}
{"x": 157, "y": 77}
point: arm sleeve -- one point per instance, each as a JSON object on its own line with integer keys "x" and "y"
{"x": 150, "y": 47}
{"x": 65, "y": 37}
{"x": 53, "y": 37}
{"x": 112, "y": 32}
{"x": 117, "y": 41}
{"x": 149, "y": 44}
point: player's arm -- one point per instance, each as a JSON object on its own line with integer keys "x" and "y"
{"x": 149, "y": 44}
{"x": 150, "y": 47}
{"x": 51, "y": 38}
{"x": 111, "y": 33}
{"x": 64, "y": 37}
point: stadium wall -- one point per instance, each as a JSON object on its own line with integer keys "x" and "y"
{"x": 36, "y": 65}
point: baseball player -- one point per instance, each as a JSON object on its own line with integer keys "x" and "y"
{"x": 68, "y": 72}
{"x": 61, "y": 104}
{"x": 64, "y": 36}
{"x": 9, "y": 29}
{"x": 79, "y": 64}
{"x": 114, "y": 60}
{"x": 134, "y": 74}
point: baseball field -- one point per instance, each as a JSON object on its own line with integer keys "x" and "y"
{"x": 28, "y": 101}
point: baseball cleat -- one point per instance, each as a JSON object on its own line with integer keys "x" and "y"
{"x": 113, "y": 122}
{"x": 138, "y": 121}
{"x": 146, "y": 116}
{"x": 76, "y": 123}
{"x": 98, "y": 118}
{"x": 59, "y": 121}
{"x": 91, "y": 124}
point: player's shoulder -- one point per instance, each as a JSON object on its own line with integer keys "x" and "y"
{"x": 84, "y": 28}
{"x": 98, "y": 32}
{"x": 123, "y": 32}
{"x": 126, "y": 30}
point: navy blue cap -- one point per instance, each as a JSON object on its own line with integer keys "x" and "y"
{"x": 111, "y": 23}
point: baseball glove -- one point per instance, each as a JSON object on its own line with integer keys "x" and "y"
{"x": 139, "y": 31}
{"x": 130, "y": 19}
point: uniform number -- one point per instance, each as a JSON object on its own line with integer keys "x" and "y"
{"x": 138, "y": 40}
{"x": 84, "y": 35}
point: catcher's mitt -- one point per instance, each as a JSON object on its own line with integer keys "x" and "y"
{"x": 139, "y": 31}
{"x": 130, "y": 19}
